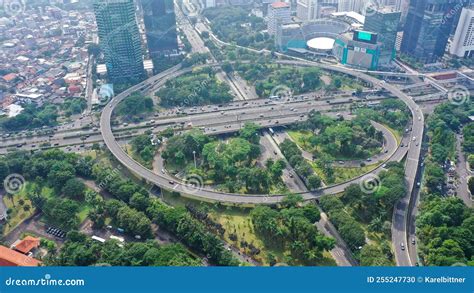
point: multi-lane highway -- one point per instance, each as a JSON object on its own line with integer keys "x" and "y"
{"x": 399, "y": 222}
{"x": 163, "y": 180}
{"x": 402, "y": 218}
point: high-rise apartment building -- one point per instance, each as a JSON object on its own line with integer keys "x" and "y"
{"x": 384, "y": 22}
{"x": 463, "y": 40}
{"x": 351, "y": 5}
{"x": 278, "y": 14}
{"x": 427, "y": 29}
{"x": 306, "y": 10}
{"x": 160, "y": 27}
{"x": 119, "y": 39}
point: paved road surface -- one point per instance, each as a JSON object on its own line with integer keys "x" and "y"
{"x": 463, "y": 173}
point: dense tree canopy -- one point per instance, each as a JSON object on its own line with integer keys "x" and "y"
{"x": 31, "y": 117}
{"x": 292, "y": 228}
{"x": 193, "y": 89}
{"x": 237, "y": 25}
{"x": 80, "y": 250}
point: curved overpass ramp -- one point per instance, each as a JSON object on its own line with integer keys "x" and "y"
{"x": 399, "y": 224}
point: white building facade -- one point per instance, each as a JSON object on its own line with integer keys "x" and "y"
{"x": 463, "y": 40}
{"x": 279, "y": 13}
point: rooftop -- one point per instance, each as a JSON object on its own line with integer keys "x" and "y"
{"x": 27, "y": 244}
{"x": 280, "y": 5}
{"x": 9, "y": 258}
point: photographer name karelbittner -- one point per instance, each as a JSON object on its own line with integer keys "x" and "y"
{"x": 444, "y": 280}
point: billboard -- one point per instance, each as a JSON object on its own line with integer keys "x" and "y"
{"x": 365, "y": 37}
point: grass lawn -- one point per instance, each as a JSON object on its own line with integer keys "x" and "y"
{"x": 301, "y": 137}
{"x": 396, "y": 133}
{"x": 319, "y": 172}
{"x": 17, "y": 214}
{"x": 237, "y": 221}
{"x": 136, "y": 157}
{"x": 83, "y": 212}
{"x": 344, "y": 174}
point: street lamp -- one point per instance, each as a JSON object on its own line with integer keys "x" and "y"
{"x": 194, "y": 155}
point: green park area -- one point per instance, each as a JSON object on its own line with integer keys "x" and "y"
{"x": 362, "y": 215}
{"x": 263, "y": 232}
{"x": 237, "y": 25}
{"x": 200, "y": 87}
{"x": 19, "y": 208}
{"x": 266, "y": 77}
{"x": 230, "y": 165}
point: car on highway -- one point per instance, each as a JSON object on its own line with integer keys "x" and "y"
{"x": 402, "y": 246}
{"x": 171, "y": 182}
{"x": 414, "y": 138}
{"x": 413, "y": 240}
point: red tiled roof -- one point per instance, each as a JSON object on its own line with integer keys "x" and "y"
{"x": 12, "y": 258}
{"x": 280, "y": 5}
{"x": 27, "y": 244}
{"x": 9, "y": 77}
{"x": 442, "y": 76}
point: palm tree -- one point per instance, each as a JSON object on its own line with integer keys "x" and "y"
{"x": 10, "y": 196}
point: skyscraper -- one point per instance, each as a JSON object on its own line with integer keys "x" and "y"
{"x": 306, "y": 10}
{"x": 384, "y": 21}
{"x": 119, "y": 39}
{"x": 278, "y": 14}
{"x": 160, "y": 27}
{"x": 427, "y": 29}
{"x": 463, "y": 40}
